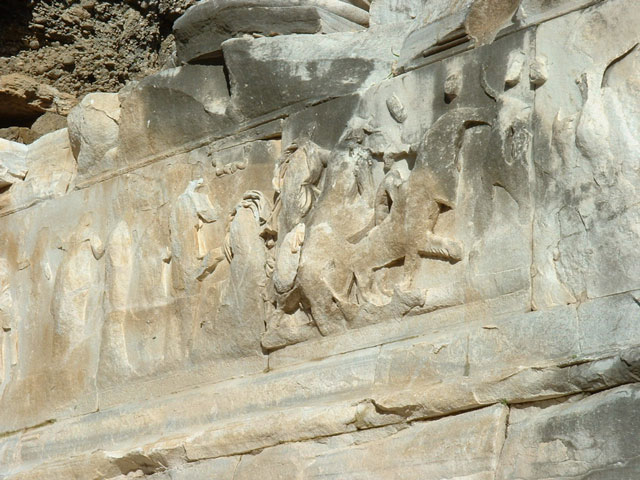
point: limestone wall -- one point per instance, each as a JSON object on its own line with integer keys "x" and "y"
{"x": 340, "y": 240}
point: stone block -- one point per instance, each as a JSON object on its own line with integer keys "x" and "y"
{"x": 93, "y": 132}
{"x": 218, "y": 468}
{"x": 328, "y": 398}
{"x": 170, "y": 109}
{"x": 610, "y": 323}
{"x": 201, "y": 31}
{"x": 268, "y": 74}
{"x": 464, "y": 446}
{"x": 391, "y": 332}
{"x": 595, "y": 437}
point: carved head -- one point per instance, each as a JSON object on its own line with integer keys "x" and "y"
{"x": 259, "y": 205}
{"x": 297, "y": 182}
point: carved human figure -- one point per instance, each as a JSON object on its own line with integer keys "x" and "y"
{"x": 76, "y": 301}
{"x": 7, "y": 324}
{"x": 598, "y": 143}
{"x": 240, "y": 315}
{"x": 340, "y": 292}
{"x": 297, "y": 182}
{"x": 406, "y": 212}
{"x": 114, "y": 361}
{"x": 192, "y": 256}
{"x": 335, "y": 283}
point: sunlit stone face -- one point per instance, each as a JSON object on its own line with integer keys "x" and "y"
{"x": 328, "y": 243}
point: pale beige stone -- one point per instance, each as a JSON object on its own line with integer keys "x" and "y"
{"x": 93, "y": 131}
{"x": 291, "y": 261}
{"x": 427, "y": 449}
{"x": 588, "y": 109}
{"x": 593, "y": 437}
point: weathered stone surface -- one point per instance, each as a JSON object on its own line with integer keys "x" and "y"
{"x": 270, "y": 73}
{"x": 167, "y": 110}
{"x": 592, "y": 438}
{"x": 588, "y": 112}
{"x": 219, "y": 468}
{"x": 609, "y": 323}
{"x": 445, "y": 375}
{"x": 389, "y": 332}
{"x": 296, "y": 262}
{"x": 202, "y": 30}
{"x": 430, "y": 450}
{"x": 93, "y": 132}
{"x": 465, "y": 446}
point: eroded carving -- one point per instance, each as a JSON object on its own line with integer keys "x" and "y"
{"x": 539, "y": 71}
{"x": 298, "y": 181}
{"x": 406, "y": 211}
{"x": 13, "y": 169}
{"x": 76, "y": 302}
{"x": 192, "y": 254}
{"x": 8, "y": 333}
{"x": 343, "y": 290}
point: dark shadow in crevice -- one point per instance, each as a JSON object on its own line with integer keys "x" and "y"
{"x": 214, "y": 59}
{"x": 15, "y": 16}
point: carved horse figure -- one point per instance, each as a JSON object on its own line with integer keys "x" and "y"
{"x": 406, "y": 213}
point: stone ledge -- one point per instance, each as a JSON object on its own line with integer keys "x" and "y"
{"x": 498, "y": 441}
{"x": 355, "y": 391}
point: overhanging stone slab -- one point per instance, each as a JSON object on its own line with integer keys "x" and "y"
{"x": 202, "y": 30}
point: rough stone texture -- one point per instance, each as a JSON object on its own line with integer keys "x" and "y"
{"x": 595, "y": 437}
{"x": 270, "y": 73}
{"x": 89, "y": 45}
{"x": 200, "y": 32}
{"x": 22, "y": 100}
{"x": 407, "y": 250}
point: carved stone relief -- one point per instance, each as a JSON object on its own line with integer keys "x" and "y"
{"x": 593, "y": 130}
{"x": 8, "y": 333}
{"x": 294, "y": 253}
{"x": 408, "y": 203}
{"x": 75, "y": 303}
